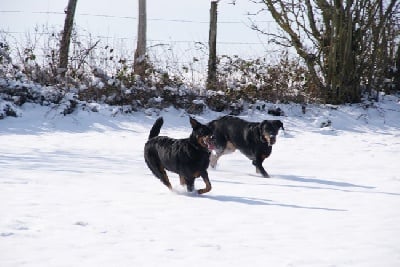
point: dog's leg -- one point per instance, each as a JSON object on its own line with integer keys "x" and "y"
{"x": 162, "y": 175}
{"x": 159, "y": 171}
{"x": 164, "y": 179}
{"x": 190, "y": 184}
{"x": 229, "y": 148}
{"x": 259, "y": 168}
{"x": 182, "y": 180}
{"x": 214, "y": 159}
{"x": 204, "y": 175}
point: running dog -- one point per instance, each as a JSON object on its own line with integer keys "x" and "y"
{"x": 188, "y": 157}
{"x": 253, "y": 139}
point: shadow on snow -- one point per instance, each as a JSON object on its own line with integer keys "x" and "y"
{"x": 319, "y": 181}
{"x": 262, "y": 202}
{"x": 306, "y": 183}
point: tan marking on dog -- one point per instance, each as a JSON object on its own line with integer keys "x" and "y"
{"x": 162, "y": 169}
{"x": 196, "y": 174}
{"x": 230, "y": 148}
{"x": 203, "y": 141}
{"x": 182, "y": 180}
{"x": 267, "y": 138}
{"x": 205, "y": 190}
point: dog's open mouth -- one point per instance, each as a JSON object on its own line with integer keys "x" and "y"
{"x": 207, "y": 142}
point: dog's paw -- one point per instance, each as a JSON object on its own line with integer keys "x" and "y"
{"x": 203, "y": 191}
{"x": 177, "y": 191}
{"x": 182, "y": 191}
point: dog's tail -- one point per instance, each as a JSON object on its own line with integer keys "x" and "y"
{"x": 155, "y": 130}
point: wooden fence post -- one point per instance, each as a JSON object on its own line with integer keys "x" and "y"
{"x": 139, "y": 64}
{"x": 66, "y": 36}
{"x": 212, "y": 46}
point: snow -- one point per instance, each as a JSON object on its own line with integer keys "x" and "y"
{"x": 75, "y": 191}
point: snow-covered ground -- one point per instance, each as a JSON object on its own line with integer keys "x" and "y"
{"x": 75, "y": 191}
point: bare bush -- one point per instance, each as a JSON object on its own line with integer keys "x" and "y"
{"x": 100, "y": 72}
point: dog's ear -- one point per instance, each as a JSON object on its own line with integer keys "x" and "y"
{"x": 194, "y": 123}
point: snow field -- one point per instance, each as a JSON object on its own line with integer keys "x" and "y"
{"x": 75, "y": 191}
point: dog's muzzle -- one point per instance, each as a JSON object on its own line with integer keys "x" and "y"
{"x": 208, "y": 142}
{"x": 211, "y": 142}
{"x": 270, "y": 139}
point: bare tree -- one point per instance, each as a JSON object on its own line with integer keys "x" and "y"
{"x": 140, "y": 53}
{"x": 341, "y": 42}
{"x": 396, "y": 70}
{"x": 66, "y": 35}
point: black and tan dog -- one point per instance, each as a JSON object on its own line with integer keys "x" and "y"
{"x": 253, "y": 139}
{"x": 188, "y": 157}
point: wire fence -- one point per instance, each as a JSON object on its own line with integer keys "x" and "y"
{"x": 180, "y": 21}
{"x": 179, "y": 54}
{"x": 133, "y": 18}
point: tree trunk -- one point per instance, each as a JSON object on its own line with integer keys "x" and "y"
{"x": 139, "y": 64}
{"x": 212, "y": 46}
{"x": 397, "y": 70}
{"x": 66, "y": 36}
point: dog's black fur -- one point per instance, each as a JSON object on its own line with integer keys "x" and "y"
{"x": 253, "y": 139}
{"x": 187, "y": 157}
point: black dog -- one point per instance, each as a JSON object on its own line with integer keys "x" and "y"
{"x": 188, "y": 157}
{"x": 253, "y": 139}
